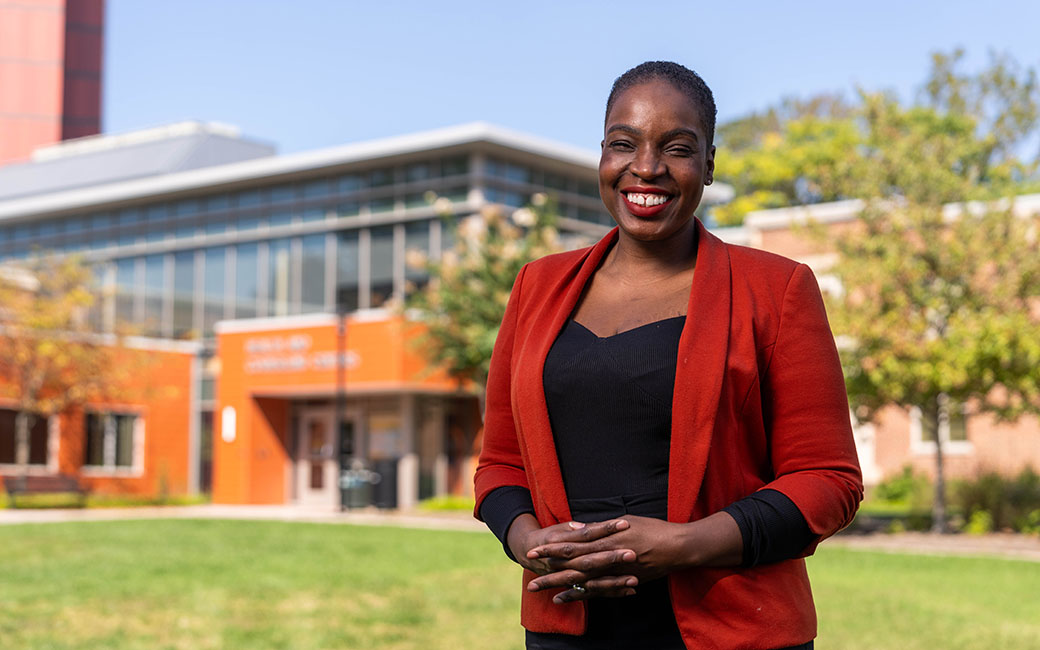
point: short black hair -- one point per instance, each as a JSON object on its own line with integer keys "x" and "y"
{"x": 682, "y": 79}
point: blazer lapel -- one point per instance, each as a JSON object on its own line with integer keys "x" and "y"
{"x": 555, "y": 307}
{"x": 699, "y": 374}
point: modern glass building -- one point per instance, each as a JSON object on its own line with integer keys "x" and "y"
{"x": 191, "y": 224}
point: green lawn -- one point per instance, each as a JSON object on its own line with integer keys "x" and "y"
{"x": 238, "y": 584}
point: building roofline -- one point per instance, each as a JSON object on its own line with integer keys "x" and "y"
{"x": 287, "y": 164}
{"x": 841, "y": 211}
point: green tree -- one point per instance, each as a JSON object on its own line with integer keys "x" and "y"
{"x": 941, "y": 273}
{"x": 50, "y": 359}
{"x": 466, "y": 298}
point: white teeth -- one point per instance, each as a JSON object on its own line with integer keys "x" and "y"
{"x": 647, "y": 200}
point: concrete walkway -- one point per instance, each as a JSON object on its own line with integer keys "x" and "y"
{"x": 1026, "y": 547}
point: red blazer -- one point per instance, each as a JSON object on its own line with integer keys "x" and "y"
{"x": 759, "y": 402}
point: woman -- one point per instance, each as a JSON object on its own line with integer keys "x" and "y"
{"x": 667, "y": 432}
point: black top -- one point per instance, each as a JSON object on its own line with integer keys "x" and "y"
{"x": 610, "y": 406}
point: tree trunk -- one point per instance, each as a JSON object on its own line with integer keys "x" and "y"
{"x": 940, "y": 415}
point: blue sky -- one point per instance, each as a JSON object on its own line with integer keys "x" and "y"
{"x": 313, "y": 73}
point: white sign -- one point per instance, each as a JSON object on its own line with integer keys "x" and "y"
{"x": 227, "y": 423}
{"x": 274, "y": 354}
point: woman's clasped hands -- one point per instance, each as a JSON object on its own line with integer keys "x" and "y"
{"x": 606, "y": 559}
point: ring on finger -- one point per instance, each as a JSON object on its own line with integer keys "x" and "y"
{"x": 579, "y": 588}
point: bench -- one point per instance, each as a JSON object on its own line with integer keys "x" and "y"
{"x": 53, "y": 484}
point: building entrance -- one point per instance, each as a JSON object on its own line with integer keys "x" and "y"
{"x": 316, "y": 463}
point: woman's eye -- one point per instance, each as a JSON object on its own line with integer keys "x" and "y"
{"x": 680, "y": 151}
{"x": 621, "y": 145}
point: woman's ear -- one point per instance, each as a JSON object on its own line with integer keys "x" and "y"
{"x": 709, "y": 168}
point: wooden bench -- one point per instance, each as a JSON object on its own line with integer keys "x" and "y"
{"x": 53, "y": 484}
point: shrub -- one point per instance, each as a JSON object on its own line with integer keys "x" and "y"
{"x": 1009, "y": 503}
{"x": 449, "y": 502}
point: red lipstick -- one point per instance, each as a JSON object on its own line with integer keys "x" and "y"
{"x": 644, "y": 210}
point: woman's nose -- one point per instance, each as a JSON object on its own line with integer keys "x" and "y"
{"x": 647, "y": 163}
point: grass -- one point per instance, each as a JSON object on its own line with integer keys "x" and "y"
{"x": 238, "y": 584}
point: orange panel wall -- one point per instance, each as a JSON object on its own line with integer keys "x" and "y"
{"x": 262, "y": 369}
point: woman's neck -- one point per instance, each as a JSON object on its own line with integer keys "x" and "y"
{"x": 641, "y": 262}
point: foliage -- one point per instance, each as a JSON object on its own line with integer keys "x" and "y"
{"x": 785, "y": 156}
{"x": 464, "y": 303}
{"x": 1006, "y": 503}
{"x": 907, "y": 488}
{"x": 50, "y": 359}
{"x": 941, "y": 276}
{"x": 825, "y": 148}
{"x": 447, "y": 503}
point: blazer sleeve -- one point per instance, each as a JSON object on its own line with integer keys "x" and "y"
{"x": 501, "y": 462}
{"x": 812, "y": 448}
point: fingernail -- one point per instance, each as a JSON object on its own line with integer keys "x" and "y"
{"x": 631, "y": 582}
{"x": 576, "y": 525}
{"x": 532, "y": 586}
{"x": 629, "y": 556}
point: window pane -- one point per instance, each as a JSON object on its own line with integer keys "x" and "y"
{"x": 416, "y": 238}
{"x": 349, "y": 183}
{"x": 380, "y": 177}
{"x": 347, "y": 270}
{"x": 282, "y": 218}
{"x": 418, "y": 172}
{"x": 154, "y": 290}
{"x": 7, "y": 436}
{"x": 316, "y": 189}
{"x": 382, "y": 265}
{"x": 214, "y": 272}
{"x": 248, "y": 198}
{"x": 248, "y": 222}
{"x": 958, "y": 423}
{"x": 281, "y": 193}
{"x": 95, "y": 443}
{"x": 313, "y": 214}
{"x": 217, "y": 202}
{"x": 455, "y": 166}
{"x": 125, "y": 290}
{"x": 348, "y": 209}
{"x": 246, "y": 280}
{"x": 278, "y": 285}
{"x": 183, "y": 292}
{"x": 124, "y": 440}
{"x": 381, "y": 205}
{"x": 313, "y": 273}
{"x": 38, "y": 441}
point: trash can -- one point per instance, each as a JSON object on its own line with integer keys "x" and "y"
{"x": 384, "y": 491}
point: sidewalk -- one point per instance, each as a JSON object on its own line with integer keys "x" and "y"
{"x": 1024, "y": 547}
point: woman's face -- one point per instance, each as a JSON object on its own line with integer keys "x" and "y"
{"x": 655, "y": 161}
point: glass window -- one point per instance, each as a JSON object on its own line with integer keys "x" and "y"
{"x": 184, "y": 208}
{"x": 347, "y": 270}
{"x": 185, "y": 229}
{"x": 588, "y": 189}
{"x": 155, "y": 233}
{"x": 249, "y": 198}
{"x": 312, "y": 214}
{"x": 183, "y": 293}
{"x": 313, "y": 290}
{"x": 382, "y": 265}
{"x": 127, "y": 217}
{"x": 110, "y": 440}
{"x": 417, "y": 239}
{"x": 38, "y": 434}
{"x": 279, "y": 283}
{"x": 282, "y": 193}
{"x": 155, "y": 212}
{"x": 456, "y": 194}
{"x": 455, "y": 166}
{"x": 595, "y": 216}
{"x": 154, "y": 293}
{"x": 126, "y": 289}
{"x": 348, "y": 209}
{"x": 215, "y": 225}
{"x": 213, "y": 273}
{"x": 416, "y": 200}
{"x": 248, "y": 222}
{"x": 48, "y": 228}
{"x": 418, "y": 172}
{"x": 381, "y": 205}
{"x": 217, "y": 202}
{"x": 381, "y": 177}
{"x": 316, "y": 189}
{"x": 24, "y": 231}
{"x": 349, "y": 183}
{"x": 247, "y": 289}
{"x": 517, "y": 173}
{"x": 281, "y": 218}
{"x": 556, "y": 181}
{"x": 127, "y": 237}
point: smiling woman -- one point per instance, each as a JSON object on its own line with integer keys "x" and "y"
{"x": 666, "y": 432}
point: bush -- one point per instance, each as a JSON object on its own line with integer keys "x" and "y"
{"x": 448, "y": 502}
{"x": 1006, "y": 503}
{"x": 909, "y": 490}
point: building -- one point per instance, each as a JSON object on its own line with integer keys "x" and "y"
{"x": 197, "y": 233}
{"x": 50, "y": 72}
{"x": 972, "y": 444}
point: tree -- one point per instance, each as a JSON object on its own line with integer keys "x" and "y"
{"x": 941, "y": 275}
{"x": 50, "y": 360}
{"x": 785, "y": 156}
{"x": 464, "y": 303}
